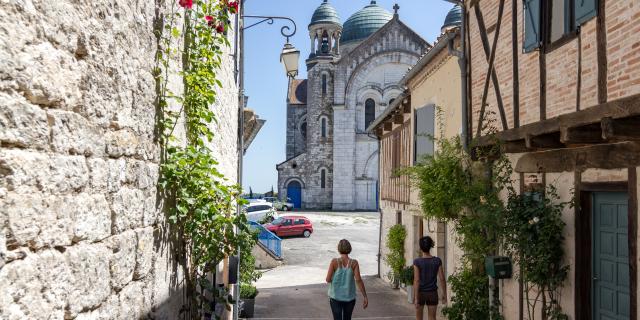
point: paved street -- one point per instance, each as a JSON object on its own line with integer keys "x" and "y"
{"x": 297, "y": 290}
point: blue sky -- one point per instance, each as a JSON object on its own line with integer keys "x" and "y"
{"x": 265, "y": 81}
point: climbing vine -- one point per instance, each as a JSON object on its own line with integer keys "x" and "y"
{"x": 533, "y": 237}
{"x": 200, "y": 202}
{"x": 395, "y": 258}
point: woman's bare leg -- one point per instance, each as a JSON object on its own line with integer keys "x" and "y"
{"x": 419, "y": 312}
{"x": 432, "y": 310}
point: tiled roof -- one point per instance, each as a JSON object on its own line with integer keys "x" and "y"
{"x": 298, "y": 91}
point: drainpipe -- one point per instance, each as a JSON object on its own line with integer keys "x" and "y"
{"x": 379, "y": 186}
{"x": 462, "y": 61}
{"x": 239, "y": 53}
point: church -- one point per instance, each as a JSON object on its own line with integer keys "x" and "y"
{"x": 353, "y": 74}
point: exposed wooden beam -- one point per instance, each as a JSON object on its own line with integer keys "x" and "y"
{"x": 603, "y": 156}
{"x": 492, "y": 58}
{"x": 398, "y": 118}
{"x": 406, "y": 108}
{"x": 621, "y": 129}
{"x": 494, "y": 77}
{"x": 545, "y": 141}
{"x": 388, "y": 126}
{"x": 588, "y": 134}
{"x": 518, "y": 146}
{"x": 618, "y": 109}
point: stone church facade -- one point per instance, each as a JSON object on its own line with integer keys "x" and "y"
{"x": 353, "y": 73}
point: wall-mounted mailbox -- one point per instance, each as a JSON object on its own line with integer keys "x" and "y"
{"x": 498, "y": 267}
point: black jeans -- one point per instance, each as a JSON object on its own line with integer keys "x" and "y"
{"x": 342, "y": 310}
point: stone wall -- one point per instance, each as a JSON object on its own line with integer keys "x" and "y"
{"x": 82, "y": 231}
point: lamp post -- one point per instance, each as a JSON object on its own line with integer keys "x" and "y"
{"x": 290, "y": 56}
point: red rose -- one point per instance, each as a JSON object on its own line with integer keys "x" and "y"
{"x": 233, "y": 5}
{"x": 210, "y": 20}
{"x": 220, "y": 27}
{"x": 186, "y": 3}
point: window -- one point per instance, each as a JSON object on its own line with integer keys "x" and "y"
{"x": 398, "y": 217}
{"x": 324, "y": 84}
{"x": 423, "y": 131}
{"x": 391, "y": 101}
{"x": 323, "y": 127}
{"x": 303, "y": 129}
{"x": 546, "y": 22}
{"x": 287, "y": 222}
{"x": 369, "y": 112}
{"x": 323, "y": 178}
{"x": 299, "y": 222}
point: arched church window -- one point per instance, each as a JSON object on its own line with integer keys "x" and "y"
{"x": 391, "y": 101}
{"x": 323, "y": 178}
{"x": 324, "y": 84}
{"x": 303, "y": 129}
{"x": 323, "y": 127}
{"x": 369, "y": 112}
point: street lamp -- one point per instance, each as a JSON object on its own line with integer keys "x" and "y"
{"x": 290, "y": 57}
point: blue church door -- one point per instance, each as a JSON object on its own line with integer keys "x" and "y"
{"x": 294, "y": 192}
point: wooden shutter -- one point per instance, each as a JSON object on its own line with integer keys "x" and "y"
{"x": 585, "y": 10}
{"x": 532, "y": 24}
{"x": 424, "y": 130}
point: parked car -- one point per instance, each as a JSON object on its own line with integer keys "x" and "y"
{"x": 279, "y": 204}
{"x": 260, "y": 211}
{"x": 291, "y": 226}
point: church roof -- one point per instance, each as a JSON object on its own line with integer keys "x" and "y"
{"x": 365, "y": 22}
{"x": 453, "y": 19}
{"x": 325, "y": 13}
{"x": 298, "y": 91}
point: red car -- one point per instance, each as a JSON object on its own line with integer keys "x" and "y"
{"x": 291, "y": 226}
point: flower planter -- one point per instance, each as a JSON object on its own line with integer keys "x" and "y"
{"x": 247, "y": 308}
{"x": 410, "y": 293}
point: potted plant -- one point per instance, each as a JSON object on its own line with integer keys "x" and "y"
{"x": 406, "y": 278}
{"x": 248, "y": 295}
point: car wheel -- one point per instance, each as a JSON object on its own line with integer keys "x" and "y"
{"x": 306, "y": 233}
{"x": 285, "y": 208}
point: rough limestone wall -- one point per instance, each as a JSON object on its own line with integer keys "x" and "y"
{"x": 82, "y": 232}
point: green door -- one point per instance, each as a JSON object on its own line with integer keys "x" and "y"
{"x": 610, "y": 256}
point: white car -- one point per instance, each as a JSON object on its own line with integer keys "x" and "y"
{"x": 260, "y": 211}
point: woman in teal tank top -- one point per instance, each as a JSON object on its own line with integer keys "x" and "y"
{"x": 343, "y": 275}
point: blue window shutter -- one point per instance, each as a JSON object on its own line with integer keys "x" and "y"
{"x": 585, "y": 10}
{"x": 532, "y": 23}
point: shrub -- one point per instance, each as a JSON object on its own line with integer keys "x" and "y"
{"x": 248, "y": 291}
{"x": 395, "y": 257}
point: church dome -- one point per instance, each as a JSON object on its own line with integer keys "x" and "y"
{"x": 325, "y": 13}
{"x": 453, "y": 19}
{"x": 365, "y": 22}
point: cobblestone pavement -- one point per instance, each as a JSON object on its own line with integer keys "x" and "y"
{"x": 297, "y": 289}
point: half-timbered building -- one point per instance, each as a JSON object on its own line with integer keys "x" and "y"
{"x": 559, "y": 81}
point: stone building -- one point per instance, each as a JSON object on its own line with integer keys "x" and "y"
{"x": 83, "y": 233}
{"x": 352, "y": 75}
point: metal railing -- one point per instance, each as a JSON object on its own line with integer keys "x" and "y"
{"x": 268, "y": 239}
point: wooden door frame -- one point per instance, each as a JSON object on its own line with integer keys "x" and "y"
{"x": 583, "y": 241}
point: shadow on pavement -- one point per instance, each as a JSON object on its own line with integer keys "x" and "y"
{"x": 311, "y": 302}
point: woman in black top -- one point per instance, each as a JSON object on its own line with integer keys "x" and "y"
{"x": 426, "y": 271}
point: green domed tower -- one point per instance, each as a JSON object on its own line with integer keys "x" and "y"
{"x": 364, "y": 23}
{"x": 324, "y": 30}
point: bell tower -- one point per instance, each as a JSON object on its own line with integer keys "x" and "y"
{"x": 325, "y": 30}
